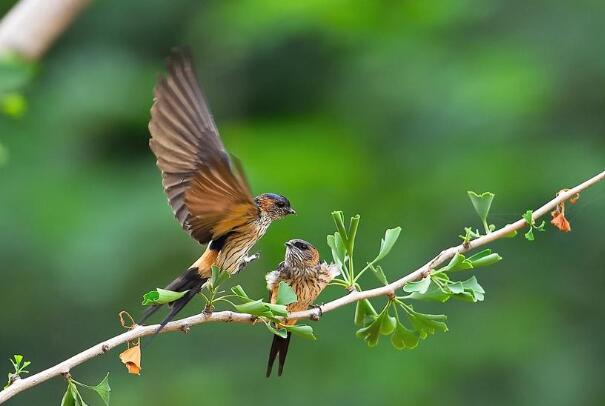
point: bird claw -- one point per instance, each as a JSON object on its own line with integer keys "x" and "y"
{"x": 247, "y": 259}
{"x": 250, "y": 258}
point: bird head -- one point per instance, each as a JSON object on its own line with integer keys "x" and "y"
{"x": 274, "y": 206}
{"x": 301, "y": 254}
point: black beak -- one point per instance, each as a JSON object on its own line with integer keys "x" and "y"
{"x": 291, "y": 210}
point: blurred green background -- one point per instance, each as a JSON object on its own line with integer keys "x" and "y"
{"x": 387, "y": 109}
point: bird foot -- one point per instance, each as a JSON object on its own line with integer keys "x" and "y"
{"x": 247, "y": 259}
{"x": 250, "y": 258}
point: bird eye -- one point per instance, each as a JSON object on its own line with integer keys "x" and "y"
{"x": 301, "y": 245}
{"x": 280, "y": 203}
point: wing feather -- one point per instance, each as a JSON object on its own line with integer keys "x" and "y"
{"x": 207, "y": 190}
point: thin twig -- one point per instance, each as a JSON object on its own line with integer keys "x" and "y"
{"x": 228, "y": 316}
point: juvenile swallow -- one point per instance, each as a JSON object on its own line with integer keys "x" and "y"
{"x": 206, "y": 187}
{"x": 307, "y": 276}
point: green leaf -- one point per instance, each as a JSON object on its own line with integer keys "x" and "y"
{"x": 239, "y": 292}
{"x": 426, "y": 324}
{"x": 383, "y": 324}
{"x": 277, "y": 309}
{"x": 457, "y": 263}
{"x": 433, "y": 294}
{"x": 74, "y": 396}
{"x": 352, "y": 233}
{"x": 255, "y": 307}
{"x": 103, "y": 389}
{"x": 161, "y": 296}
{"x": 218, "y": 277}
{"x": 486, "y": 260}
{"x": 387, "y": 324}
{"x": 471, "y": 285}
{"x": 529, "y": 235}
{"x": 18, "y": 359}
{"x": 379, "y": 274}
{"x": 68, "y": 397}
{"x": 404, "y": 338}
{"x": 337, "y": 256}
{"x": 339, "y": 220}
{"x": 339, "y": 251}
{"x": 302, "y": 330}
{"x": 528, "y": 217}
{"x": 420, "y": 286}
{"x": 482, "y": 203}
{"x": 541, "y": 226}
{"x": 282, "y": 332}
{"x": 364, "y": 312}
{"x": 390, "y": 237}
{"x": 370, "y": 333}
{"x": 285, "y": 294}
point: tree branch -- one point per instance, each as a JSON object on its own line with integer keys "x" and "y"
{"x": 229, "y": 316}
{"x": 31, "y": 26}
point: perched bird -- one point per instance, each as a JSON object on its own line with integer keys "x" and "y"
{"x": 206, "y": 187}
{"x": 307, "y": 276}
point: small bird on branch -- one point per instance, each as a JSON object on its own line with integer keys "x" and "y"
{"x": 307, "y": 276}
{"x": 206, "y": 187}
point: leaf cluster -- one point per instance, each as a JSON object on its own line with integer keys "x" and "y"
{"x": 73, "y": 397}
{"x": 271, "y": 313}
{"x": 19, "y": 364}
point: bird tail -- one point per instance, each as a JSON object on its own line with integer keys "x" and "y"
{"x": 279, "y": 346}
{"x": 190, "y": 281}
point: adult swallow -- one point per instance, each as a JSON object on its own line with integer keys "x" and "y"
{"x": 206, "y": 187}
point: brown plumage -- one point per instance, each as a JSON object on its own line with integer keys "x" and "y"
{"x": 307, "y": 276}
{"x": 206, "y": 187}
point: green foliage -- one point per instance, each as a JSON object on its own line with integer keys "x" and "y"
{"x": 285, "y": 294}
{"x": 364, "y": 312}
{"x": 19, "y": 364}
{"x": 528, "y": 216}
{"x": 386, "y": 244}
{"x": 342, "y": 244}
{"x": 436, "y": 287}
{"x": 402, "y": 337}
{"x": 301, "y": 330}
{"x": 73, "y": 397}
{"x": 270, "y": 313}
{"x": 161, "y": 296}
{"x": 217, "y": 278}
{"x": 482, "y": 203}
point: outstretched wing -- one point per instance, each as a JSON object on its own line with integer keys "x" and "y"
{"x": 207, "y": 190}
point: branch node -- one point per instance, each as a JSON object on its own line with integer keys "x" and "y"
{"x": 12, "y": 378}
{"x": 185, "y": 328}
{"x": 390, "y": 294}
{"x": 208, "y": 309}
{"x": 104, "y": 348}
{"x": 319, "y": 314}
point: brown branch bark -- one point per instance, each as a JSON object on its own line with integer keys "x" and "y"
{"x": 228, "y": 316}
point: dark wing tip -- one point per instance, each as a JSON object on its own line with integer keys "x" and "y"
{"x": 180, "y": 55}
